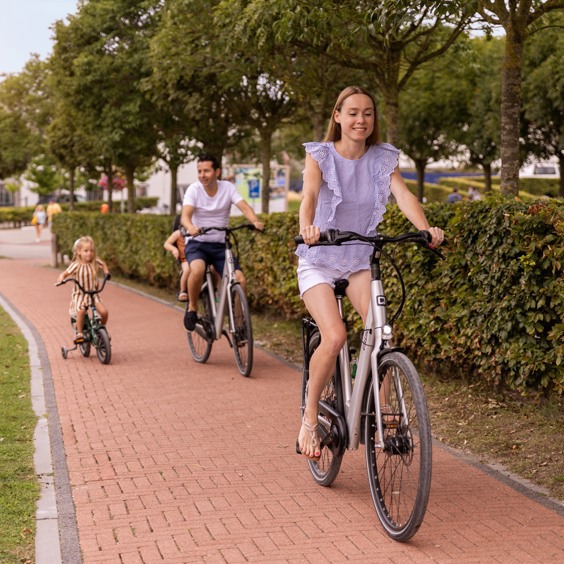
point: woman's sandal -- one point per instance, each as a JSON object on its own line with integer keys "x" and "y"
{"x": 312, "y": 429}
{"x": 182, "y": 297}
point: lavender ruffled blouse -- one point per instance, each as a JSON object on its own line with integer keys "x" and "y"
{"x": 352, "y": 197}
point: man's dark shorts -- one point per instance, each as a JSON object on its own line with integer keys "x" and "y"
{"x": 210, "y": 253}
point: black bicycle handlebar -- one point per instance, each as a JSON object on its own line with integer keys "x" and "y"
{"x": 227, "y": 229}
{"x": 336, "y": 237}
{"x": 89, "y": 292}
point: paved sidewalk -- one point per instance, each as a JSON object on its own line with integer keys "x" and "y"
{"x": 172, "y": 461}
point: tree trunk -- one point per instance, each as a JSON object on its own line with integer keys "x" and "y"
{"x": 487, "y": 176}
{"x": 420, "y": 166}
{"x": 318, "y": 126}
{"x": 130, "y": 178}
{"x": 173, "y": 188}
{"x": 510, "y": 105}
{"x": 266, "y": 154}
{"x": 110, "y": 177}
{"x": 561, "y": 167}
{"x": 71, "y": 189}
{"x": 391, "y": 117}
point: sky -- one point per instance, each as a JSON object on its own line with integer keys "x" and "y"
{"x": 25, "y": 29}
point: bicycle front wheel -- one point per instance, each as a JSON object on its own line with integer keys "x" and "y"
{"x": 242, "y": 330}
{"x": 399, "y": 472}
{"x": 201, "y": 339}
{"x": 103, "y": 347}
{"x": 326, "y": 469}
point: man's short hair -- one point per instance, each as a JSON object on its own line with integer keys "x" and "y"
{"x": 210, "y": 158}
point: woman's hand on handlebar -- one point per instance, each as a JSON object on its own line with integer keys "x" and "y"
{"x": 259, "y": 225}
{"x": 438, "y": 236}
{"x": 310, "y": 234}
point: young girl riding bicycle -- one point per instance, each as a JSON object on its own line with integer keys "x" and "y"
{"x": 175, "y": 245}
{"x": 84, "y": 268}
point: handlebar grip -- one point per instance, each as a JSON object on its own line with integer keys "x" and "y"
{"x": 426, "y": 235}
{"x": 328, "y": 236}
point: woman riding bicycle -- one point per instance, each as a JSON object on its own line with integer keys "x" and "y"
{"x": 84, "y": 268}
{"x": 207, "y": 203}
{"x": 347, "y": 182}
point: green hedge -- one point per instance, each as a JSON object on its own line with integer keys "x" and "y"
{"x": 131, "y": 244}
{"x": 492, "y": 310}
{"x": 22, "y": 215}
{"x": 529, "y": 188}
{"x": 433, "y": 192}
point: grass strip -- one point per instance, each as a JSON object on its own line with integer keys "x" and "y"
{"x": 19, "y": 487}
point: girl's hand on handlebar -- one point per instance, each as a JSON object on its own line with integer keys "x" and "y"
{"x": 310, "y": 234}
{"x": 259, "y": 225}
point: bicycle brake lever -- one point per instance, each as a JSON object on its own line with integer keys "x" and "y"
{"x": 436, "y": 251}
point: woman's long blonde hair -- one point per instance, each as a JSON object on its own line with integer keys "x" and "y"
{"x": 334, "y": 129}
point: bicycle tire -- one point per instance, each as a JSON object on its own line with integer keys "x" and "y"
{"x": 103, "y": 346}
{"x": 399, "y": 473}
{"x": 242, "y": 330}
{"x": 201, "y": 339}
{"x": 84, "y": 347}
{"x": 326, "y": 469}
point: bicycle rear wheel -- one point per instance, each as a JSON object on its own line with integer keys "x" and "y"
{"x": 243, "y": 330}
{"x": 400, "y": 472}
{"x": 103, "y": 347}
{"x": 201, "y": 339}
{"x": 326, "y": 469}
{"x": 84, "y": 348}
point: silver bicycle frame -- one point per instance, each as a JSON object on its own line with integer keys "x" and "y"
{"x": 371, "y": 342}
{"x": 223, "y": 295}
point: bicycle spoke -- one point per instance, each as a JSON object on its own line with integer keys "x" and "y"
{"x": 200, "y": 340}
{"x": 400, "y": 471}
{"x": 242, "y": 330}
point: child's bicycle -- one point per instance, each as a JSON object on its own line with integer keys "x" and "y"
{"x": 212, "y": 306}
{"x": 384, "y": 407}
{"x": 94, "y": 332}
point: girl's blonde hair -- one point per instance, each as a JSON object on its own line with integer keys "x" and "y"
{"x": 334, "y": 129}
{"x": 79, "y": 243}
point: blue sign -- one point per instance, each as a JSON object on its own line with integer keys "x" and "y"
{"x": 254, "y": 187}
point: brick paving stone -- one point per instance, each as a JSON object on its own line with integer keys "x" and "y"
{"x": 173, "y": 461}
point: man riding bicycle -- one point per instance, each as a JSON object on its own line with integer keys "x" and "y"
{"x": 207, "y": 203}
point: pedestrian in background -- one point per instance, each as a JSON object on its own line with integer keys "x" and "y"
{"x": 53, "y": 208}
{"x": 39, "y": 218}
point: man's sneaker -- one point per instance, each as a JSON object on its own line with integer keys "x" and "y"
{"x": 190, "y": 318}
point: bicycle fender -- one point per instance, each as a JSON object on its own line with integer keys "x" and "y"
{"x": 383, "y": 352}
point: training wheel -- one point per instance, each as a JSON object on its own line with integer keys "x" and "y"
{"x": 64, "y": 352}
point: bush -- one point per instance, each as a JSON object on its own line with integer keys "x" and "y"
{"x": 492, "y": 310}
{"x": 22, "y": 215}
{"x": 529, "y": 188}
{"x": 432, "y": 192}
{"x": 131, "y": 244}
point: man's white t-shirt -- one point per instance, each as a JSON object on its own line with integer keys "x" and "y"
{"x": 212, "y": 211}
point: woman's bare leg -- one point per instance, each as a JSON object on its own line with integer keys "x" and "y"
{"x": 322, "y": 306}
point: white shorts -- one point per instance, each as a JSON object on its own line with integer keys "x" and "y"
{"x": 310, "y": 275}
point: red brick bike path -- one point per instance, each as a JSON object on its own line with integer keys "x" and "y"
{"x": 172, "y": 461}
